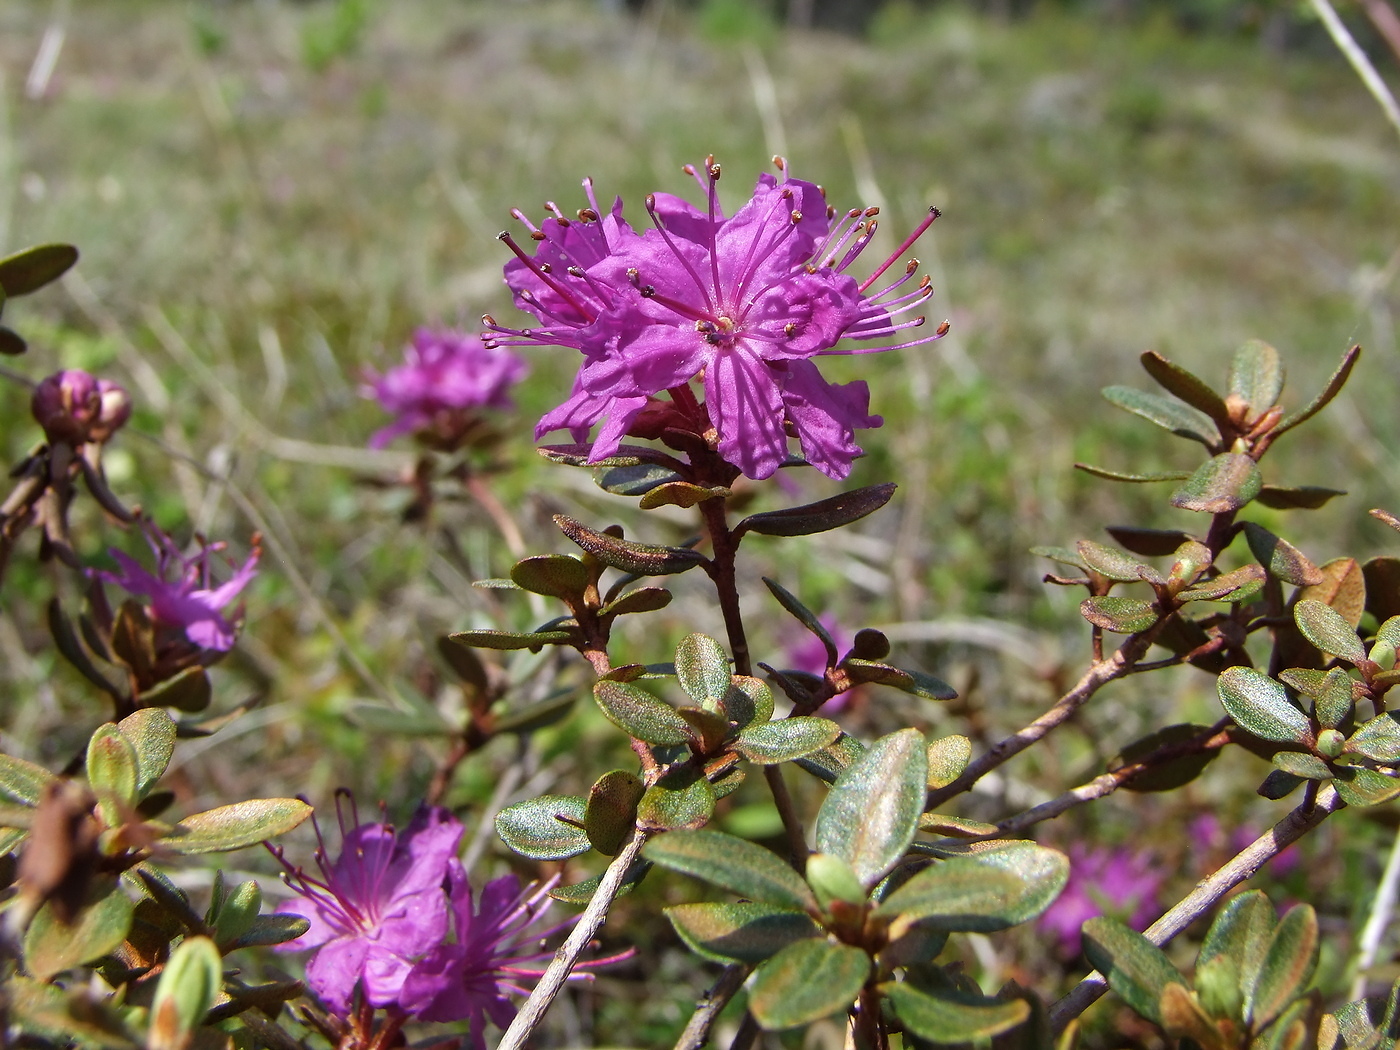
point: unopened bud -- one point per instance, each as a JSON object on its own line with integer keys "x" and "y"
{"x": 73, "y": 407}
{"x": 115, "y": 411}
{"x": 1330, "y": 742}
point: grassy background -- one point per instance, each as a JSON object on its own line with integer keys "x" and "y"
{"x": 270, "y": 197}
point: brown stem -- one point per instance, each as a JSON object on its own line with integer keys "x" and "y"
{"x": 711, "y": 1004}
{"x": 442, "y": 776}
{"x": 747, "y": 1033}
{"x": 792, "y": 823}
{"x": 721, "y": 570}
{"x": 869, "y": 1032}
{"x": 500, "y": 517}
{"x": 1206, "y": 894}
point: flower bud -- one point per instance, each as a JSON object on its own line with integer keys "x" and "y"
{"x": 73, "y": 407}
{"x": 115, "y": 411}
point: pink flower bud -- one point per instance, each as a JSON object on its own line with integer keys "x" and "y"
{"x": 74, "y": 408}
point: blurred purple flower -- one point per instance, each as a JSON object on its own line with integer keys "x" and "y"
{"x": 444, "y": 372}
{"x": 807, "y": 653}
{"x": 498, "y": 946}
{"x": 741, "y": 304}
{"x": 181, "y": 590}
{"x": 74, "y": 407}
{"x": 1119, "y": 882}
{"x": 377, "y": 908}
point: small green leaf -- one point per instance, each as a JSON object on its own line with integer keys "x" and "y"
{"x": 1359, "y": 786}
{"x": 955, "y": 827}
{"x": 745, "y": 932}
{"x": 269, "y": 930}
{"x": 733, "y": 864}
{"x": 872, "y": 811}
{"x": 1378, "y": 739}
{"x": 682, "y": 799}
{"x": 640, "y": 559}
{"x": 111, "y": 770}
{"x": 641, "y": 715}
{"x": 151, "y": 733}
{"x": 1303, "y": 497}
{"x": 1040, "y": 874}
{"x": 1116, "y": 565}
{"x": 1183, "y": 1018}
{"x": 52, "y": 946}
{"x": 612, "y": 810}
{"x": 550, "y": 827}
{"x": 1173, "y": 773}
{"x": 633, "y": 479}
{"x": 1168, "y": 413}
{"x": 1151, "y": 543}
{"x": 703, "y": 670}
{"x": 709, "y": 729}
{"x": 769, "y": 743}
{"x": 1223, "y": 483}
{"x": 1261, "y": 706}
{"x": 947, "y": 758}
{"x": 804, "y": 615}
{"x": 488, "y": 639}
{"x": 235, "y": 826}
{"x": 553, "y": 575}
{"x": 956, "y": 894}
{"x": 1063, "y": 555}
{"x": 943, "y": 1018}
{"x": 832, "y": 879}
{"x": 188, "y": 986}
{"x": 1135, "y": 967}
{"x": 1279, "y": 784}
{"x": 834, "y": 759}
{"x": 1300, "y": 764}
{"x": 30, "y": 269}
{"x": 1256, "y": 376}
{"x": 22, "y": 781}
{"x": 1331, "y": 390}
{"x": 805, "y": 982}
{"x": 1280, "y": 557}
{"x": 1233, "y": 952}
{"x": 680, "y": 494}
{"x": 916, "y": 683}
{"x": 1325, "y": 628}
{"x": 1288, "y": 965}
{"x": 1187, "y": 386}
{"x": 1131, "y": 477}
{"x": 642, "y": 600}
{"x": 822, "y": 516}
{"x": 1237, "y": 585}
{"x": 1119, "y": 615}
{"x": 1334, "y": 699}
{"x": 625, "y": 456}
{"x": 748, "y": 700}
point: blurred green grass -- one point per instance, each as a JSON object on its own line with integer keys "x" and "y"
{"x": 271, "y": 196}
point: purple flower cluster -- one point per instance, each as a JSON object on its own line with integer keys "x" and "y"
{"x": 379, "y": 919}
{"x": 1121, "y": 882}
{"x": 182, "y": 594}
{"x": 444, "y": 375}
{"x": 742, "y": 304}
{"x": 75, "y": 407}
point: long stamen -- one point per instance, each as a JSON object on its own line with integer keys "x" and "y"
{"x": 933, "y": 213}
{"x": 544, "y": 276}
{"x": 754, "y": 258}
{"x": 712, "y": 196}
{"x": 685, "y": 263}
{"x": 842, "y": 230}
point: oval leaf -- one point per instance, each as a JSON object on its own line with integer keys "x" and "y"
{"x": 1288, "y": 966}
{"x": 639, "y": 559}
{"x": 1280, "y": 557}
{"x": 945, "y": 1019}
{"x": 52, "y": 946}
{"x": 487, "y": 639}
{"x": 550, "y": 827}
{"x": 1119, "y": 615}
{"x": 29, "y": 270}
{"x": 1115, "y": 565}
{"x": 1325, "y": 628}
{"x": 151, "y": 733}
{"x": 22, "y": 781}
{"x": 1187, "y": 386}
{"x": 746, "y": 932}
{"x": 733, "y": 864}
{"x": 553, "y": 575}
{"x": 805, "y": 982}
{"x": 702, "y": 668}
{"x": 1181, "y": 420}
{"x": 947, "y": 758}
{"x": 641, "y": 715}
{"x": 233, "y": 827}
{"x": 769, "y": 743}
{"x": 679, "y": 494}
{"x": 822, "y": 516}
{"x": 1135, "y": 967}
{"x": 612, "y": 810}
{"x": 1303, "y": 497}
{"x": 633, "y": 478}
{"x": 1378, "y": 739}
{"x": 1223, "y": 483}
{"x": 680, "y": 799}
{"x": 1261, "y": 706}
{"x": 872, "y": 811}
{"x": 956, "y": 894}
{"x": 1256, "y": 376}
{"x": 642, "y": 600}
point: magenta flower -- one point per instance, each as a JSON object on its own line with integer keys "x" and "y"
{"x": 1120, "y": 882}
{"x": 375, "y": 910}
{"x": 182, "y": 593}
{"x": 741, "y": 304}
{"x": 74, "y": 407}
{"x": 444, "y": 374}
{"x": 498, "y": 946}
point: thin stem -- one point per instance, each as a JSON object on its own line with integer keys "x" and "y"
{"x": 1382, "y": 908}
{"x": 1348, "y": 46}
{"x": 1206, "y": 894}
{"x": 747, "y": 1033}
{"x": 792, "y": 823}
{"x": 710, "y": 1006}
{"x": 721, "y": 571}
{"x": 533, "y": 1009}
{"x": 496, "y": 511}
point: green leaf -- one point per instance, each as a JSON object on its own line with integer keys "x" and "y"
{"x": 66, "y": 1017}
{"x": 680, "y": 494}
{"x": 1173, "y": 773}
{"x": 822, "y": 516}
{"x": 1334, "y": 699}
{"x": 748, "y": 700}
{"x": 1378, "y": 739}
{"x": 680, "y": 799}
{"x": 1303, "y": 497}
{"x": 188, "y": 986}
{"x": 1235, "y": 586}
{"x": 190, "y": 690}
{"x": 872, "y": 811}
{"x": 1343, "y": 587}
{"x": 703, "y": 670}
{"x": 1151, "y": 543}
{"x": 487, "y": 639}
{"x": 1300, "y": 764}
{"x": 945, "y": 1019}
{"x": 1063, "y": 555}
{"x": 553, "y": 575}
{"x": 1325, "y": 628}
{"x": 111, "y": 770}
{"x": 709, "y": 729}
{"x": 1256, "y": 376}
{"x": 1233, "y": 952}
{"x": 1135, "y": 967}
{"x": 1331, "y": 390}
{"x": 745, "y": 932}
{"x": 1183, "y": 1018}
{"x": 1223, "y": 483}
{"x": 22, "y": 781}
{"x": 52, "y": 946}
{"x": 639, "y": 559}
{"x": 633, "y": 479}
{"x": 641, "y": 715}
{"x": 1119, "y": 615}
{"x": 1168, "y": 413}
{"x": 1261, "y": 706}
{"x": 834, "y": 759}
{"x": 805, "y": 982}
{"x": 30, "y": 269}
{"x": 1130, "y": 477}
{"x": 916, "y": 683}
{"x": 582, "y": 892}
{"x": 235, "y": 826}
{"x": 805, "y": 616}
{"x": 832, "y": 879}
{"x": 642, "y": 600}
{"x": 233, "y": 913}
{"x": 1116, "y": 565}
{"x": 550, "y": 827}
{"x": 733, "y": 864}
{"x": 12, "y": 344}
{"x": 1041, "y": 870}
{"x": 612, "y": 810}
{"x": 1279, "y": 784}
{"x": 1288, "y": 965}
{"x": 947, "y": 758}
{"x": 268, "y": 930}
{"x": 1280, "y": 557}
{"x": 625, "y": 456}
{"x": 955, "y": 827}
{"x": 151, "y": 733}
{"x": 769, "y": 743}
{"x": 1364, "y": 787}
{"x": 1187, "y": 386}
{"x": 956, "y": 895}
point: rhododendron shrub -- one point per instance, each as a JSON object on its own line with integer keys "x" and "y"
{"x": 699, "y": 336}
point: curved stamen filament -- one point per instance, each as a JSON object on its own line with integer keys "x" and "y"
{"x": 908, "y": 243}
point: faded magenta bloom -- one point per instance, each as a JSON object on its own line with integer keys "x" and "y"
{"x": 74, "y": 407}
{"x": 444, "y": 372}
{"x": 377, "y": 909}
{"x": 498, "y": 947}
{"x": 742, "y": 304}
{"x": 1120, "y": 882}
{"x": 181, "y": 590}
